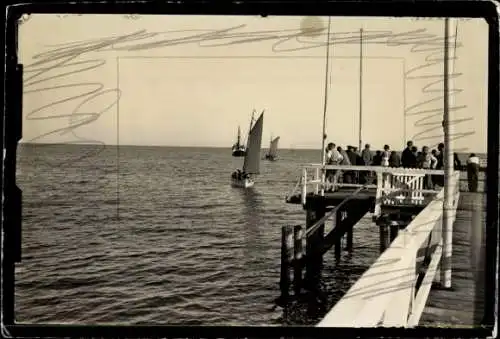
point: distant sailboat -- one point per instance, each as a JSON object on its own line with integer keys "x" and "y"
{"x": 251, "y": 166}
{"x": 238, "y": 149}
{"x": 272, "y": 154}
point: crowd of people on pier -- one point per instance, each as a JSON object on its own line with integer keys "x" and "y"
{"x": 411, "y": 157}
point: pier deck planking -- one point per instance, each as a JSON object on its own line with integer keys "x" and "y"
{"x": 463, "y": 305}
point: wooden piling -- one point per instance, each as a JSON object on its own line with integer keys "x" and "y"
{"x": 384, "y": 237}
{"x": 314, "y": 244}
{"x": 344, "y": 215}
{"x": 349, "y": 240}
{"x": 298, "y": 250}
{"x": 340, "y": 216}
{"x": 338, "y": 248}
{"x": 286, "y": 258}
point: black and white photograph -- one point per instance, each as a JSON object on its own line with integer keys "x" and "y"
{"x": 249, "y": 170}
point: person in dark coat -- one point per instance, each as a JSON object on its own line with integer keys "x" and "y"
{"x": 414, "y": 157}
{"x": 457, "y": 164}
{"x": 437, "y": 179}
{"x": 440, "y": 156}
{"x": 359, "y": 159}
{"x": 407, "y": 155}
{"x": 359, "y": 162}
{"x": 473, "y": 172}
{"x": 351, "y": 175}
{"x": 367, "y": 160}
{"x": 367, "y": 155}
{"x": 377, "y": 158}
{"x": 394, "y": 159}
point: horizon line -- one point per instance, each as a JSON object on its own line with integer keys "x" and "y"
{"x": 190, "y": 146}
{"x": 131, "y": 145}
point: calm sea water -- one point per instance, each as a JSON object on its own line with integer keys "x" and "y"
{"x": 156, "y": 235}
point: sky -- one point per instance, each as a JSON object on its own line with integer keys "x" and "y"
{"x": 192, "y": 80}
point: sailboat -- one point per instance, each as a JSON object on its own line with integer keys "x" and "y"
{"x": 251, "y": 166}
{"x": 272, "y": 154}
{"x": 238, "y": 149}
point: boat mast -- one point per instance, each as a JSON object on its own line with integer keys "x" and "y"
{"x": 250, "y": 129}
{"x": 239, "y": 137}
{"x": 323, "y": 135}
{"x": 360, "y": 86}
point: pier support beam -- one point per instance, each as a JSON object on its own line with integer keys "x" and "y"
{"x": 389, "y": 226}
{"x": 346, "y": 218}
{"x": 384, "y": 237}
{"x": 349, "y": 238}
{"x": 338, "y": 248}
{"x": 342, "y": 217}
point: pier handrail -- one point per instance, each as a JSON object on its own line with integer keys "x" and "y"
{"x": 328, "y": 215}
{"x": 318, "y": 180}
{"x": 385, "y": 294}
{"x": 381, "y": 169}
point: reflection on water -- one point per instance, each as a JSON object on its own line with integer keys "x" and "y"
{"x": 253, "y": 223}
{"x": 183, "y": 252}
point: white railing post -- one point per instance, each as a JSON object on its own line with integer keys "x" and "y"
{"x": 316, "y": 178}
{"x": 378, "y": 195}
{"x": 304, "y": 186}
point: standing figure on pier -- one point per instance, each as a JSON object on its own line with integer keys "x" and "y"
{"x": 359, "y": 162}
{"x": 367, "y": 158}
{"x": 457, "y": 164}
{"x": 473, "y": 172}
{"x": 386, "y": 155}
{"x": 436, "y": 179}
{"x": 377, "y": 158}
{"x": 394, "y": 159}
{"x": 367, "y": 155}
{"x": 439, "y": 154}
{"x": 415, "y": 153}
{"x": 407, "y": 155}
{"x": 351, "y": 153}
{"x": 345, "y": 162}
{"x": 333, "y": 157}
{"x": 427, "y": 161}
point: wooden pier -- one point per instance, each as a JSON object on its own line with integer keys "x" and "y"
{"x": 463, "y": 305}
{"x": 399, "y": 289}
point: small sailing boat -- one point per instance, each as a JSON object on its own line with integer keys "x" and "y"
{"x": 272, "y": 154}
{"x": 251, "y": 165}
{"x": 238, "y": 148}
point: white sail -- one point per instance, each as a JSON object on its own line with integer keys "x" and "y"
{"x": 273, "y": 147}
{"x": 251, "y": 164}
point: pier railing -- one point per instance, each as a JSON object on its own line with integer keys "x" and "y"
{"x": 394, "y": 185}
{"x": 394, "y": 290}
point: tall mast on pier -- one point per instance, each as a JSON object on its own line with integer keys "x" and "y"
{"x": 448, "y": 170}
{"x": 360, "y": 87}
{"x": 323, "y": 134}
